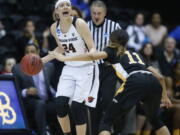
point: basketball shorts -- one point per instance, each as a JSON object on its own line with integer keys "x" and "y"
{"x": 80, "y": 84}
{"x": 139, "y": 87}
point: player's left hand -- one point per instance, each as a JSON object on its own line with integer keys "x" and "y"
{"x": 56, "y": 55}
{"x": 166, "y": 102}
{"x": 53, "y": 53}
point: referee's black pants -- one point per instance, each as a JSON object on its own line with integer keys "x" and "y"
{"x": 106, "y": 93}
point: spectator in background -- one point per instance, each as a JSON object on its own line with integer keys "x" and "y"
{"x": 28, "y": 37}
{"x": 167, "y": 57}
{"x": 2, "y": 30}
{"x": 148, "y": 53}
{"x": 38, "y": 94}
{"x": 156, "y": 31}
{"x": 176, "y": 34}
{"x": 8, "y": 63}
{"x": 176, "y": 102}
{"x": 83, "y": 5}
{"x": 176, "y": 79}
{"x": 43, "y": 41}
{"x": 48, "y": 43}
{"x": 7, "y": 42}
{"x": 172, "y": 115}
{"x": 76, "y": 12}
{"x": 136, "y": 32}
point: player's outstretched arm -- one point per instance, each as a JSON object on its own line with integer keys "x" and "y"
{"x": 165, "y": 100}
{"x": 83, "y": 57}
{"x": 49, "y": 57}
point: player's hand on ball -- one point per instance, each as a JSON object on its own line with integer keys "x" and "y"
{"x": 32, "y": 91}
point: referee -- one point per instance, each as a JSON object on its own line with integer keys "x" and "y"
{"x": 101, "y": 29}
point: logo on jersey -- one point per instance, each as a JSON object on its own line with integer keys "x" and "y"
{"x": 73, "y": 34}
{"x": 106, "y": 35}
{"x": 90, "y": 99}
{"x": 68, "y": 40}
{"x": 58, "y": 32}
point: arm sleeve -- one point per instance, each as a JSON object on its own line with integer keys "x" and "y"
{"x": 111, "y": 54}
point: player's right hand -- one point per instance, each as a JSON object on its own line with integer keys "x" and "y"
{"x": 32, "y": 91}
{"x": 166, "y": 102}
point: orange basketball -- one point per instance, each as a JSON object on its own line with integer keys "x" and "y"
{"x": 31, "y": 64}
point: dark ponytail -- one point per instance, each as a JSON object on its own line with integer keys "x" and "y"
{"x": 119, "y": 38}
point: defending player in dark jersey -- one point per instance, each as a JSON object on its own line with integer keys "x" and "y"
{"x": 139, "y": 84}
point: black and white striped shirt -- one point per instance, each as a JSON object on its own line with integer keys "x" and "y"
{"x": 101, "y": 33}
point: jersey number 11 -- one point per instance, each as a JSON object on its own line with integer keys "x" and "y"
{"x": 131, "y": 59}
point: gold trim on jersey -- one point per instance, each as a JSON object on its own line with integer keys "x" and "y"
{"x": 120, "y": 76}
{"x": 120, "y": 72}
{"x": 121, "y": 89}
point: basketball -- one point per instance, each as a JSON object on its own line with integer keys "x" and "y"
{"x": 31, "y": 64}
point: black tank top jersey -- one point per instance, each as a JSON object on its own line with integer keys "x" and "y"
{"x": 127, "y": 63}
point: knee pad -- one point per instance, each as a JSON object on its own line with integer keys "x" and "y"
{"x": 79, "y": 113}
{"x": 62, "y": 107}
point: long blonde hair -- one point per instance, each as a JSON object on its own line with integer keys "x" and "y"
{"x": 55, "y": 16}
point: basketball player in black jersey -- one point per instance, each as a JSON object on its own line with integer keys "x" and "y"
{"x": 140, "y": 83}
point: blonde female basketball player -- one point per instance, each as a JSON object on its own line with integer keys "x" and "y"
{"x": 79, "y": 80}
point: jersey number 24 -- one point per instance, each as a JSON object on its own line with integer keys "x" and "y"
{"x": 69, "y": 48}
